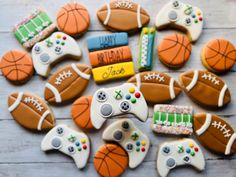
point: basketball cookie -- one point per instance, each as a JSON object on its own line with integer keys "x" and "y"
{"x": 17, "y": 66}
{"x": 110, "y": 160}
{"x": 174, "y": 50}
{"x": 218, "y": 55}
{"x": 73, "y": 19}
{"x": 80, "y": 112}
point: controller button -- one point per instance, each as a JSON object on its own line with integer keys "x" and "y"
{"x": 188, "y": 150}
{"x": 37, "y": 49}
{"x": 180, "y": 149}
{"x": 118, "y": 135}
{"x": 64, "y": 38}
{"x": 133, "y": 100}
{"x": 166, "y": 150}
{"x": 44, "y": 58}
{"x": 196, "y": 149}
{"x": 138, "y": 143}
{"x": 118, "y": 94}
{"x": 101, "y": 96}
{"x": 191, "y": 145}
{"x": 176, "y": 4}
{"x": 129, "y": 147}
{"x": 83, "y": 140}
{"x": 127, "y": 97}
{"x": 79, "y": 149}
{"x": 192, "y": 153}
{"x": 124, "y": 106}
{"x": 188, "y": 10}
{"x": 186, "y": 159}
{"x": 143, "y": 149}
{"x": 58, "y": 36}
{"x": 199, "y": 13}
{"x": 62, "y": 43}
{"x": 143, "y": 143}
{"x": 49, "y": 43}
{"x": 137, "y": 149}
{"x": 134, "y": 136}
{"x": 195, "y": 21}
{"x": 137, "y": 95}
{"x": 125, "y": 125}
{"x": 60, "y": 131}
{"x": 58, "y": 50}
{"x": 187, "y": 21}
{"x": 193, "y": 16}
{"x": 170, "y": 163}
{"x": 72, "y": 138}
{"x": 106, "y": 110}
{"x": 200, "y": 18}
{"x": 131, "y": 90}
{"x": 173, "y": 16}
{"x": 84, "y": 147}
{"x": 71, "y": 149}
{"x": 56, "y": 143}
{"x": 77, "y": 143}
{"x": 57, "y": 41}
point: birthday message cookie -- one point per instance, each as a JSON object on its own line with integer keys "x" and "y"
{"x": 218, "y": 55}
{"x": 174, "y": 50}
{"x": 215, "y": 133}
{"x": 17, "y": 66}
{"x": 123, "y": 15}
{"x": 205, "y": 88}
{"x": 73, "y": 19}
{"x": 34, "y": 28}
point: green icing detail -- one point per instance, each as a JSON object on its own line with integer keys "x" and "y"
{"x": 171, "y": 117}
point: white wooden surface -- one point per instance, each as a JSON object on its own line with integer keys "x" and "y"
{"x": 20, "y": 154}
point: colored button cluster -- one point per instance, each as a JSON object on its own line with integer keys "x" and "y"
{"x": 79, "y": 144}
{"x": 61, "y": 39}
{"x": 191, "y": 149}
{"x": 140, "y": 145}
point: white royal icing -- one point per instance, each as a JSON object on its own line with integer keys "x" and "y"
{"x": 229, "y": 144}
{"x": 80, "y": 73}
{"x": 171, "y": 88}
{"x": 138, "y": 81}
{"x": 35, "y": 102}
{"x": 63, "y": 76}
{"x": 193, "y": 82}
{"x": 139, "y": 16}
{"x": 55, "y": 92}
{"x": 222, "y": 95}
{"x": 16, "y": 103}
{"x": 45, "y": 114}
{"x": 205, "y": 125}
{"x": 108, "y": 14}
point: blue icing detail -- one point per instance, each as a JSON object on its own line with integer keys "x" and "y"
{"x": 77, "y": 143}
{"x": 138, "y": 143}
{"x": 127, "y": 97}
{"x": 57, "y": 42}
{"x": 107, "y": 41}
{"x": 188, "y": 150}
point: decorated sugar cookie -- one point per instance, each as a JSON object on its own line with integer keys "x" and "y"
{"x": 205, "y": 88}
{"x": 73, "y": 19}
{"x": 30, "y": 111}
{"x": 17, "y": 66}
{"x": 123, "y": 15}
{"x": 34, "y": 28}
{"x": 218, "y": 55}
{"x": 156, "y": 87}
{"x": 174, "y": 50}
{"x": 215, "y": 133}
{"x": 67, "y": 83}
{"x": 173, "y": 119}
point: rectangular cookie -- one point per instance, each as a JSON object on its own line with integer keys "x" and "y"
{"x": 146, "y": 45}
{"x": 115, "y": 71}
{"x": 34, "y": 28}
{"x": 110, "y": 56}
{"x": 173, "y": 119}
{"x": 107, "y": 41}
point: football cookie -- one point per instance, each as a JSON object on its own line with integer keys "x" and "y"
{"x": 73, "y": 19}
{"x": 30, "y": 111}
{"x": 110, "y": 160}
{"x": 67, "y": 83}
{"x": 215, "y": 134}
{"x": 80, "y": 112}
{"x": 123, "y": 15}
{"x": 156, "y": 87}
{"x": 174, "y": 50}
{"x": 218, "y": 55}
{"x": 205, "y": 88}
{"x": 17, "y": 66}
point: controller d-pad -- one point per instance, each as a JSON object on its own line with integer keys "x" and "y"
{"x": 187, "y": 21}
{"x": 186, "y": 159}
{"x": 129, "y": 147}
{"x": 37, "y": 49}
{"x": 173, "y": 16}
{"x": 124, "y": 106}
{"x": 58, "y": 50}
{"x": 101, "y": 96}
{"x": 71, "y": 149}
{"x": 118, "y": 135}
{"x": 44, "y": 58}
{"x": 125, "y": 125}
{"x": 60, "y": 131}
{"x": 170, "y": 163}
{"x": 106, "y": 110}
{"x": 166, "y": 150}
{"x": 56, "y": 143}
{"x": 176, "y": 4}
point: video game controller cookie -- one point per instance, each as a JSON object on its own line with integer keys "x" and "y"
{"x": 70, "y": 142}
{"x": 124, "y": 99}
{"x": 180, "y": 15}
{"x": 179, "y": 153}
{"x": 58, "y": 46}
{"x": 132, "y": 139}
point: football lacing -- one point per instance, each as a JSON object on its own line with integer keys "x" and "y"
{"x": 63, "y": 76}
{"x": 124, "y": 3}
{"x": 154, "y": 76}
{"x": 35, "y": 102}
{"x": 211, "y": 78}
{"x": 218, "y": 125}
